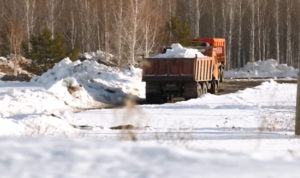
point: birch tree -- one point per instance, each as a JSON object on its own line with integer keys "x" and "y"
{"x": 54, "y": 8}
{"x": 252, "y": 32}
{"x": 30, "y": 8}
{"x": 288, "y": 33}
{"x": 240, "y": 62}
{"x": 15, "y": 39}
{"x": 277, "y": 35}
{"x": 230, "y": 34}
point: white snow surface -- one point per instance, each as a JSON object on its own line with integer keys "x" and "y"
{"x": 3, "y": 59}
{"x": 92, "y": 82}
{"x": 263, "y": 69}
{"x": 244, "y": 134}
{"x": 45, "y": 133}
{"x": 179, "y": 51}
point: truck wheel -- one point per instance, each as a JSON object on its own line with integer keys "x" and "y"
{"x": 153, "y": 98}
{"x": 199, "y": 90}
{"x": 213, "y": 87}
{"x": 153, "y": 95}
{"x": 192, "y": 90}
{"x": 221, "y": 73}
{"x": 204, "y": 88}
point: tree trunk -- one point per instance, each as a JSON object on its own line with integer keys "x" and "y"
{"x": 120, "y": 26}
{"x": 277, "y": 35}
{"x": 240, "y": 62}
{"x": 288, "y": 34}
{"x": 259, "y": 30}
{"x": 197, "y": 19}
{"x": 229, "y": 47}
{"x": 252, "y": 33}
{"x": 297, "y": 124}
{"x": 213, "y": 18}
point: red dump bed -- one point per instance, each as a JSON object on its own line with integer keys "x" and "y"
{"x": 178, "y": 69}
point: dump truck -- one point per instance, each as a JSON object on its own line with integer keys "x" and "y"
{"x": 172, "y": 79}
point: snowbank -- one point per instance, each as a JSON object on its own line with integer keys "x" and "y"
{"x": 263, "y": 69}
{"x": 178, "y": 51}
{"x": 101, "y": 57}
{"x": 92, "y": 81}
{"x": 93, "y": 158}
{"x": 3, "y": 59}
{"x": 9, "y": 64}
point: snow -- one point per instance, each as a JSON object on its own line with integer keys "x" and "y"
{"x": 177, "y": 51}
{"x": 263, "y": 69}
{"x": 96, "y": 82}
{"x": 101, "y": 57}
{"x": 250, "y": 109}
{"x": 59, "y": 157}
{"x": 10, "y": 63}
{"x": 3, "y": 59}
{"x": 248, "y": 133}
{"x": 37, "y": 107}
{"x": 48, "y": 130}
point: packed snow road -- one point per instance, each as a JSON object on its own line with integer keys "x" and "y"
{"x": 251, "y": 110}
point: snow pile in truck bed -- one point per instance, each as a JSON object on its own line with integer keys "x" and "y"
{"x": 178, "y": 51}
{"x": 109, "y": 85}
{"x": 263, "y": 69}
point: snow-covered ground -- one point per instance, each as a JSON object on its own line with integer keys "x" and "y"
{"x": 47, "y": 131}
{"x": 244, "y": 134}
{"x": 263, "y": 69}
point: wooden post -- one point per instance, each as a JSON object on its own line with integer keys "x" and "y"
{"x": 297, "y": 124}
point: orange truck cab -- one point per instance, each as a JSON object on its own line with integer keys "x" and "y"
{"x": 219, "y": 47}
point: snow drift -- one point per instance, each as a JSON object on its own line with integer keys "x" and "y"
{"x": 9, "y": 63}
{"x": 89, "y": 81}
{"x": 101, "y": 57}
{"x": 178, "y": 51}
{"x": 263, "y": 69}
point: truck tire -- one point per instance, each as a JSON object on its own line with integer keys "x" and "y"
{"x": 204, "y": 88}
{"x": 213, "y": 87}
{"x": 153, "y": 98}
{"x": 153, "y": 94}
{"x": 221, "y": 74}
{"x": 192, "y": 90}
{"x": 199, "y": 90}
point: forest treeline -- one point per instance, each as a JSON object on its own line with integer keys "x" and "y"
{"x": 129, "y": 29}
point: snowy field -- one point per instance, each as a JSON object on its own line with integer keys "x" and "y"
{"x": 51, "y": 127}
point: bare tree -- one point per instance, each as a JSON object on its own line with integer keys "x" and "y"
{"x": 198, "y": 5}
{"x": 240, "y": 62}
{"x": 288, "y": 32}
{"x": 231, "y": 3}
{"x": 252, "y": 32}
{"x": 54, "y": 12}
{"x": 15, "y": 38}
{"x": 277, "y": 35}
{"x": 30, "y": 8}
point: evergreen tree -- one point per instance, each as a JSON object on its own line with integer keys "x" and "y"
{"x": 45, "y": 51}
{"x": 180, "y": 32}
